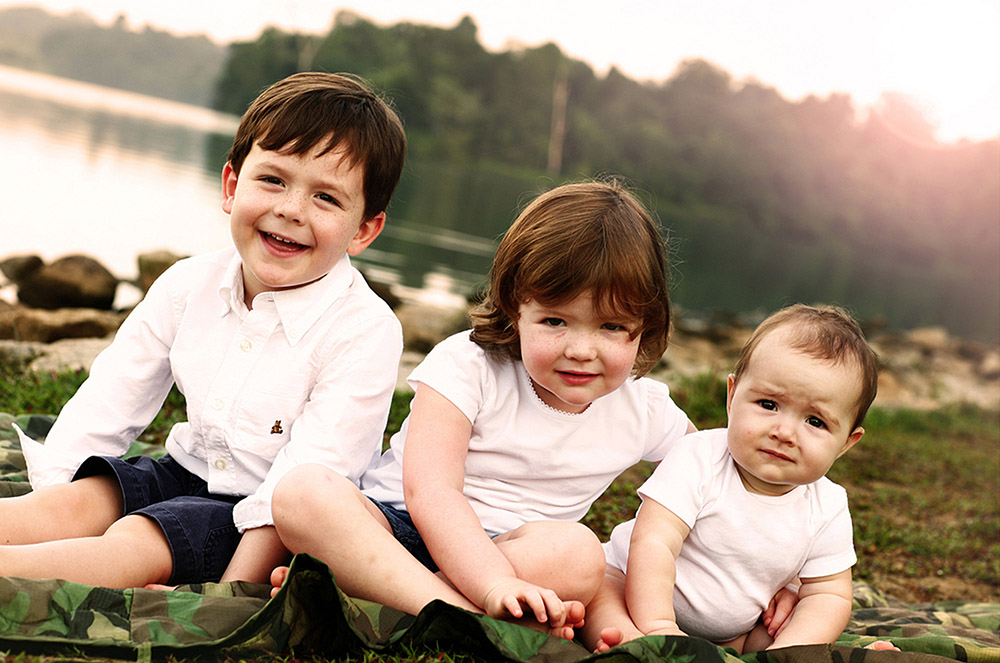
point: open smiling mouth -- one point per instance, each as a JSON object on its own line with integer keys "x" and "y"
{"x": 281, "y": 243}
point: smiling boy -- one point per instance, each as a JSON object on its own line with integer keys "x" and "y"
{"x": 282, "y": 351}
{"x": 733, "y": 515}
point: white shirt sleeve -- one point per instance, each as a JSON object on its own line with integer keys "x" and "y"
{"x": 127, "y": 385}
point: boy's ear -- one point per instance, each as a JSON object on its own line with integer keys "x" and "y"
{"x": 852, "y": 440}
{"x": 228, "y": 187}
{"x": 367, "y": 232}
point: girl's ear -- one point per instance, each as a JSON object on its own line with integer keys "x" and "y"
{"x": 228, "y": 187}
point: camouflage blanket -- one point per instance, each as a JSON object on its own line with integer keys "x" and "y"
{"x": 310, "y": 616}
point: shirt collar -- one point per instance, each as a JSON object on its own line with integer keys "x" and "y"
{"x": 298, "y": 308}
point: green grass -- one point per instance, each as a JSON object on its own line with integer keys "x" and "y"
{"x": 924, "y": 489}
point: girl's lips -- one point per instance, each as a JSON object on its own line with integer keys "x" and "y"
{"x": 576, "y": 378}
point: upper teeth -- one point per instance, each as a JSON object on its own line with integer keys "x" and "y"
{"x": 282, "y": 239}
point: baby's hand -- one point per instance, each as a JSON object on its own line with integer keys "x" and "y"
{"x": 779, "y": 610}
{"x": 507, "y": 597}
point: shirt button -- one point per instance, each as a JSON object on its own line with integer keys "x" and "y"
{"x": 220, "y": 464}
{"x": 246, "y": 345}
{"x": 217, "y": 403}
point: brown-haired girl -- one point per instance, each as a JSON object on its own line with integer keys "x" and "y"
{"x": 515, "y": 428}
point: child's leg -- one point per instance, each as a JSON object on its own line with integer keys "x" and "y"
{"x": 608, "y": 622}
{"x": 131, "y": 553}
{"x": 564, "y": 557}
{"x": 319, "y": 512}
{"x": 86, "y": 507}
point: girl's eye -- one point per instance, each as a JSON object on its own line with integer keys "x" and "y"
{"x": 767, "y": 404}
{"x": 816, "y": 422}
{"x": 553, "y": 322}
{"x": 614, "y": 326}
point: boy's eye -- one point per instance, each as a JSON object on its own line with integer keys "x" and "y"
{"x": 816, "y": 422}
{"x": 271, "y": 179}
{"x": 327, "y": 198}
{"x": 553, "y": 322}
{"x": 767, "y": 404}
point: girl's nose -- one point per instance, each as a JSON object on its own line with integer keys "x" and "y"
{"x": 581, "y": 347}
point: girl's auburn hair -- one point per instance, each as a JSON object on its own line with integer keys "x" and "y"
{"x": 585, "y": 237}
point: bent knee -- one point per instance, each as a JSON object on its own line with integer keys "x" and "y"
{"x": 307, "y": 491}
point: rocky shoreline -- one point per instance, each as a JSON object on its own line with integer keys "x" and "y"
{"x": 922, "y": 368}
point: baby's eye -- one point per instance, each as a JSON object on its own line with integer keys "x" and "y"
{"x": 767, "y": 404}
{"x": 816, "y": 422}
{"x": 553, "y": 322}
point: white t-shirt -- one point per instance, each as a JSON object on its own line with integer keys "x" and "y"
{"x": 306, "y": 376}
{"x": 527, "y": 461}
{"x": 742, "y": 547}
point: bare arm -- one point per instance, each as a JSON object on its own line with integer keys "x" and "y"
{"x": 652, "y": 569}
{"x": 433, "y": 478}
{"x": 822, "y": 612}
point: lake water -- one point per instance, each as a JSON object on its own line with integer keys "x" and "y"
{"x": 86, "y": 169}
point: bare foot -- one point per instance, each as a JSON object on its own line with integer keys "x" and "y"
{"x": 278, "y": 577}
{"x": 612, "y": 636}
{"x": 882, "y": 645}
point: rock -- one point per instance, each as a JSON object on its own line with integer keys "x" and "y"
{"x": 74, "y": 281}
{"x": 152, "y": 264}
{"x": 424, "y": 327}
{"x": 17, "y": 268}
{"x": 45, "y": 326}
{"x": 76, "y": 354}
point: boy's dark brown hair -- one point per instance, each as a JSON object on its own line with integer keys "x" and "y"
{"x": 586, "y": 237}
{"x": 828, "y": 333}
{"x": 299, "y": 112}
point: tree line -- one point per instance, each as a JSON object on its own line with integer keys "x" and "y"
{"x": 869, "y": 211}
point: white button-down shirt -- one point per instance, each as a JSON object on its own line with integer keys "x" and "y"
{"x": 307, "y": 375}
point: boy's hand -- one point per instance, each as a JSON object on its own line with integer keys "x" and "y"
{"x": 507, "y": 597}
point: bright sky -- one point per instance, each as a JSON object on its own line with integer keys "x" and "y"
{"x": 943, "y": 54}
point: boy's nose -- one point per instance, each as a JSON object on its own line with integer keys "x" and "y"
{"x": 290, "y": 207}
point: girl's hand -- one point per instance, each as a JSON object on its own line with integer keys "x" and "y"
{"x": 507, "y": 597}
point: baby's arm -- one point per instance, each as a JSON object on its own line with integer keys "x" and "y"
{"x": 437, "y": 443}
{"x": 822, "y": 612}
{"x": 649, "y": 580}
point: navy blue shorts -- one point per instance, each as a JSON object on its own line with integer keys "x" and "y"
{"x": 406, "y": 533}
{"x": 197, "y": 524}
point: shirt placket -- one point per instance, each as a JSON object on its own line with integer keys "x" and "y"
{"x": 222, "y": 411}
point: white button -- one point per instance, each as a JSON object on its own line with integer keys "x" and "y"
{"x": 246, "y": 345}
{"x": 217, "y": 403}
{"x": 220, "y": 464}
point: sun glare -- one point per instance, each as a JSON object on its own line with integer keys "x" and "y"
{"x": 947, "y": 58}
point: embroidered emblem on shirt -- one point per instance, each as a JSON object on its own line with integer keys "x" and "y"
{"x": 276, "y": 428}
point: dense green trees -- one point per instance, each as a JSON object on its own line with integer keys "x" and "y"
{"x": 834, "y": 204}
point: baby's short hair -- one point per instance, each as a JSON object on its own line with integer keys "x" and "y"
{"x": 586, "y": 237}
{"x": 301, "y": 111}
{"x": 828, "y": 333}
